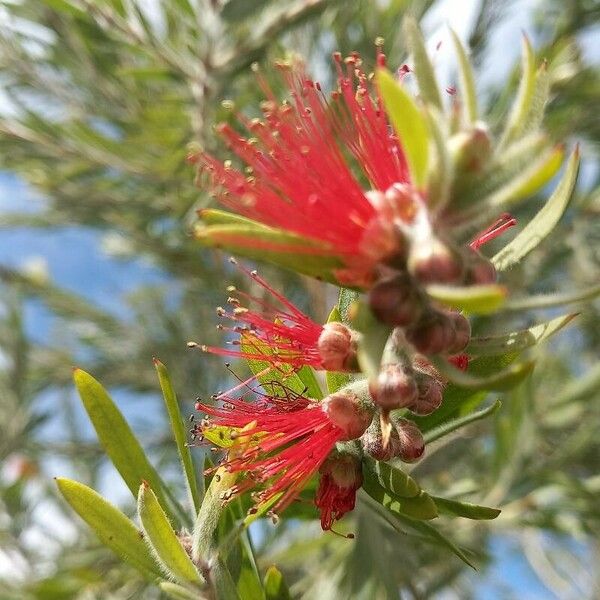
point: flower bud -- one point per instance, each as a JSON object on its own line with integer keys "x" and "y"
{"x": 434, "y": 333}
{"x": 340, "y": 478}
{"x": 429, "y": 397}
{"x": 412, "y": 444}
{"x": 336, "y": 347}
{"x": 471, "y": 149}
{"x": 372, "y": 442}
{"x": 462, "y": 333}
{"x": 395, "y": 387}
{"x": 480, "y": 270}
{"x": 432, "y": 261}
{"x": 395, "y": 300}
{"x": 346, "y": 411}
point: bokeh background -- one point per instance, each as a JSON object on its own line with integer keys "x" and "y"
{"x": 98, "y": 102}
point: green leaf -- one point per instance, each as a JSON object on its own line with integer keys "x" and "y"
{"x": 276, "y": 380}
{"x": 113, "y": 528}
{"x": 391, "y": 478}
{"x": 259, "y": 242}
{"x": 522, "y": 105}
{"x": 422, "y": 67}
{"x": 553, "y": 300}
{"x": 517, "y": 341}
{"x": 374, "y": 336}
{"x": 409, "y": 124}
{"x": 275, "y": 587}
{"x": 219, "y": 435}
{"x": 335, "y": 380}
{"x": 346, "y": 299}
{"x": 465, "y": 509}
{"x": 467, "y": 80}
{"x": 528, "y": 180}
{"x": 307, "y": 376}
{"x": 236, "y": 11}
{"x": 163, "y": 540}
{"x": 426, "y": 531}
{"x": 539, "y": 100}
{"x": 441, "y": 173}
{"x": 116, "y": 437}
{"x": 177, "y": 592}
{"x": 420, "y": 507}
{"x": 500, "y": 380}
{"x": 177, "y": 425}
{"x": 455, "y": 424}
{"x": 544, "y": 222}
{"x": 475, "y": 299}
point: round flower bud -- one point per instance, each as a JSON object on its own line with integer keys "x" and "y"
{"x": 462, "y": 332}
{"x": 347, "y": 412}
{"x": 395, "y": 300}
{"x": 395, "y": 387}
{"x": 434, "y": 333}
{"x": 372, "y": 442}
{"x": 432, "y": 261}
{"x": 412, "y": 444}
{"x": 336, "y": 347}
{"x": 480, "y": 270}
{"x": 429, "y": 397}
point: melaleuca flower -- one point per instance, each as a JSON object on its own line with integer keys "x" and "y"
{"x": 282, "y": 442}
{"x": 340, "y": 478}
{"x": 299, "y": 176}
{"x": 283, "y": 335}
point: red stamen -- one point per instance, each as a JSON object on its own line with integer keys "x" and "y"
{"x": 506, "y": 221}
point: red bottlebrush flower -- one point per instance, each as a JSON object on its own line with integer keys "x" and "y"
{"x": 284, "y": 335}
{"x": 341, "y": 477}
{"x": 285, "y": 441}
{"x": 298, "y": 178}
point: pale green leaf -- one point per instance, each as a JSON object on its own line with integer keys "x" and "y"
{"x": 455, "y": 424}
{"x": 441, "y": 172}
{"x": 116, "y": 437}
{"x": 392, "y": 479}
{"x": 467, "y": 80}
{"x": 422, "y": 67}
{"x": 553, "y": 300}
{"x": 544, "y": 222}
{"x": 409, "y": 124}
{"x": 465, "y": 509}
{"x": 113, "y": 528}
{"x": 177, "y": 425}
{"x": 475, "y": 299}
{"x": 163, "y": 540}
{"x": 517, "y": 341}
{"x": 274, "y": 584}
{"x": 177, "y": 592}
{"x": 522, "y": 105}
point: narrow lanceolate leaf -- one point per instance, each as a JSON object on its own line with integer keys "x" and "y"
{"x": 501, "y": 380}
{"x": 113, "y": 528}
{"x": 391, "y": 478}
{"x": 441, "y": 172}
{"x": 467, "y": 80}
{"x": 177, "y": 425}
{"x": 522, "y": 105}
{"x": 465, "y": 509}
{"x": 162, "y": 539}
{"x": 422, "y": 67}
{"x": 529, "y": 180}
{"x": 374, "y": 336}
{"x": 275, "y": 586}
{"x": 539, "y": 99}
{"x": 420, "y": 507}
{"x": 545, "y": 220}
{"x": 116, "y": 437}
{"x": 475, "y": 299}
{"x": 409, "y": 123}
{"x": 517, "y": 341}
{"x": 259, "y": 242}
{"x": 455, "y": 424}
{"x": 553, "y": 300}
{"x": 177, "y": 592}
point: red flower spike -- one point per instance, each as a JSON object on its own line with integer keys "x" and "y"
{"x": 284, "y": 441}
{"x": 341, "y": 477}
{"x": 284, "y": 335}
{"x": 300, "y": 179}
